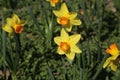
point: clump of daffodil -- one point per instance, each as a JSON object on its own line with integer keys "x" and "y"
{"x": 54, "y": 2}
{"x": 13, "y": 24}
{"x": 113, "y": 60}
{"x": 66, "y": 18}
{"x": 67, "y": 44}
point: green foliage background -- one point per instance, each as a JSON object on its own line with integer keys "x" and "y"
{"x": 32, "y": 54}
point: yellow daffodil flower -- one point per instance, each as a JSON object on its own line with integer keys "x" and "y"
{"x": 113, "y": 60}
{"x": 67, "y": 44}
{"x": 54, "y": 2}
{"x": 65, "y": 18}
{"x": 13, "y": 23}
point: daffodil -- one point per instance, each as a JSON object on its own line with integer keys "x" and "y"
{"x": 66, "y": 18}
{"x": 54, "y": 2}
{"x": 13, "y": 24}
{"x": 113, "y": 60}
{"x": 67, "y": 44}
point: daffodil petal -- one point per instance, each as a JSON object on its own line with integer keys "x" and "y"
{"x": 114, "y": 57}
{"x": 9, "y": 21}
{"x": 58, "y": 20}
{"x": 69, "y": 28}
{"x": 64, "y": 35}
{"x": 75, "y": 22}
{"x": 15, "y": 18}
{"x": 23, "y": 22}
{"x": 107, "y": 62}
{"x": 60, "y": 51}
{"x": 57, "y": 13}
{"x": 72, "y": 15}
{"x": 70, "y": 55}
{"x": 57, "y": 40}
{"x": 64, "y": 10}
{"x": 7, "y": 28}
{"x": 75, "y": 49}
{"x": 75, "y": 38}
{"x": 52, "y": 4}
{"x": 113, "y": 66}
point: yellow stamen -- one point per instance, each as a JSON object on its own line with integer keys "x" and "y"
{"x": 64, "y": 21}
{"x": 55, "y": 1}
{"x": 64, "y": 46}
{"x": 18, "y": 28}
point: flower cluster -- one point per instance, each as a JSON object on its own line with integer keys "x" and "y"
{"x": 113, "y": 60}
{"x": 13, "y": 24}
{"x": 65, "y": 18}
{"x": 67, "y": 44}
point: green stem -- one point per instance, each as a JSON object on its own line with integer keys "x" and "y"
{"x": 14, "y": 77}
{"x": 4, "y": 47}
{"x": 99, "y": 68}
